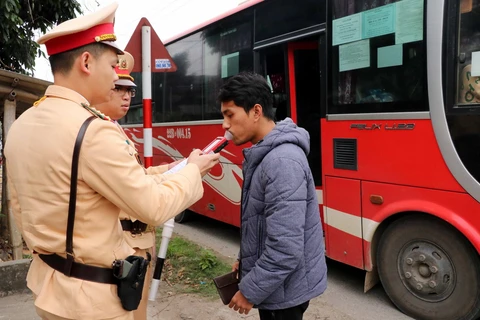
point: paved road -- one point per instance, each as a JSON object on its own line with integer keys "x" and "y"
{"x": 345, "y": 284}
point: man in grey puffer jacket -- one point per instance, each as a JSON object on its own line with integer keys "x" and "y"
{"x": 282, "y": 255}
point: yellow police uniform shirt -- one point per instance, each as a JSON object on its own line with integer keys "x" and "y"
{"x": 144, "y": 240}
{"x": 38, "y": 154}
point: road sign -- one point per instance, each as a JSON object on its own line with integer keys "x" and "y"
{"x": 161, "y": 61}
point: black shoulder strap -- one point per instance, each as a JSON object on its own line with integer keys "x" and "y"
{"x": 73, "y": 194}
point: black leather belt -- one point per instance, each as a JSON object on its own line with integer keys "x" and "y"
{"x": 80, "y": 270}
{"x": 135, "y": 227}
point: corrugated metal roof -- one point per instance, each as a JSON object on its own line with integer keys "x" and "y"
{"x": 25, "y": 89}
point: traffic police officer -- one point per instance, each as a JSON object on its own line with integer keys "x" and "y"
{"x": 140, "y": 236}
{"x": 38, "y": 151}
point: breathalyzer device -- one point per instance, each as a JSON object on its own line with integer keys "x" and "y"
{"x": 213, "y": 147}
{"x": 216, "y": 145}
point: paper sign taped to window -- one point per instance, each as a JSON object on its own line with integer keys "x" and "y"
{"x": 379, "y": 21}
{"x": 390, "y": 56}
{"x": 475, "y": 64}
{"x": 354, "y": 55}
{"x": 230, "y": 64}
{"x": 347, "y": 29}
{"x": 409, "y": 21}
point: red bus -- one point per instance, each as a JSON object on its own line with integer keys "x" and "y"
{"x": 390, "y": 94}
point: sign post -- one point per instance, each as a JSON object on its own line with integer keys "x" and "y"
{"x": 145, "y": 45}
{"x": 147, "y": 96}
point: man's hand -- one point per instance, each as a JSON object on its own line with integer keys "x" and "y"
{"x": 240, "y": 303}
{"x": 235, "y": 265}
{"x": 205, "y": 162}
{"x": 173, "y": 164}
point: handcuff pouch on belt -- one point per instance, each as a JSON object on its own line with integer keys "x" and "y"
{"x": 128, "y": 274}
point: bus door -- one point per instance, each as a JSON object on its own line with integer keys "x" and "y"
{"x": 304, "y": 83}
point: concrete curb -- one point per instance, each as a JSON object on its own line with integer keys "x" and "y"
{"x": 13, "y": 277}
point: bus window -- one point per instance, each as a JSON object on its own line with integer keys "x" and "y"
{"x": 377, "y": 56}
{"x": 469, "y": 53}
{"x": 276, "y": 18}
{"x": 183, "y": 88}
{"x": 227, "y": 51}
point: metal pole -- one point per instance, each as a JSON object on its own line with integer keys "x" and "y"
{"x": 8, "y": 119}
{"x": 147, "y": 95}
{"x": 162, "y": 253}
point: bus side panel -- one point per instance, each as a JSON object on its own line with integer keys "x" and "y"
{"x": 343, "y": 221}
{"x": 222, "y": 186}
{"x": 222, "y": 194}
{"x": 388, "y": 154}
{"x": 458, "y": 209}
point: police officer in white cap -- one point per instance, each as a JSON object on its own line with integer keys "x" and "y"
{"x": 139, "y": 235}
{"x": 74, "y": 280}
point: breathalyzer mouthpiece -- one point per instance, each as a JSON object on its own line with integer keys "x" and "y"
{"x": 228, "y": 135}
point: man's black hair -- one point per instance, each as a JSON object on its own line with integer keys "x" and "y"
{"x": 247, "y": 89}
{"x": 63, "y": 62}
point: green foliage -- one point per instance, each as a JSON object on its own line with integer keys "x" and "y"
{"x": 191, "y": 268}
{"x": 19, "y": 20}
{"x": 207, "y": 261}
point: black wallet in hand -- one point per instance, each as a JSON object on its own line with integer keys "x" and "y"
{"x": 227, "y": 286}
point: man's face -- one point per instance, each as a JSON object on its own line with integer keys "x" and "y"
{"x": 119, "y": 103}
{"x": 239, "y": 123}
{"x": 103, "y": 76}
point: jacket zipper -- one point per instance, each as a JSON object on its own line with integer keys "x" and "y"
{"x": 241, "y": 216}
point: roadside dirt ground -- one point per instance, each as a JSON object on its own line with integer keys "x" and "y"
{"x": 343, "y": 300}
{"x": 173, "y": 306}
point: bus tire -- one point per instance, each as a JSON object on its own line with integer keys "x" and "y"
{"x": 429, "y": 270}
{"x": 183, "y": 216}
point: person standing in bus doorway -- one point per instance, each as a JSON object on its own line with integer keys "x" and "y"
{"x": 38, "y": 152}
{"x": 282, "y": 256}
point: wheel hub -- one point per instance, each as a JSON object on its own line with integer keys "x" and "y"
{"x": 426, "y": 271}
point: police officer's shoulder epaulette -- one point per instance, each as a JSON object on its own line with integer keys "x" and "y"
{"x": 95, "y": 112}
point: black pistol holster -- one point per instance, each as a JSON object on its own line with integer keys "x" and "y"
{"x": 130, "y": 273}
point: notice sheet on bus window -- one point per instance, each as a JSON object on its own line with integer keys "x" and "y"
{"x": 347, "y": 29}
{"x": 475, "y": 71}
{"x": 230, "y": 64}
{"x": 390, "y": 56}
{"x": 379, "y": 21}
{"x": 354, "y": 55}
{"x": 409, "y": 21}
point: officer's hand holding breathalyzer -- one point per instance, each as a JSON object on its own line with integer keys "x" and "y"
{"x": 205, "y": 162}
{"x": 205, "y": 159}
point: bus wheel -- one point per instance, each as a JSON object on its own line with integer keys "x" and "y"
{"x": 429, "y": 270}
{"x": 183, "y": 216}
